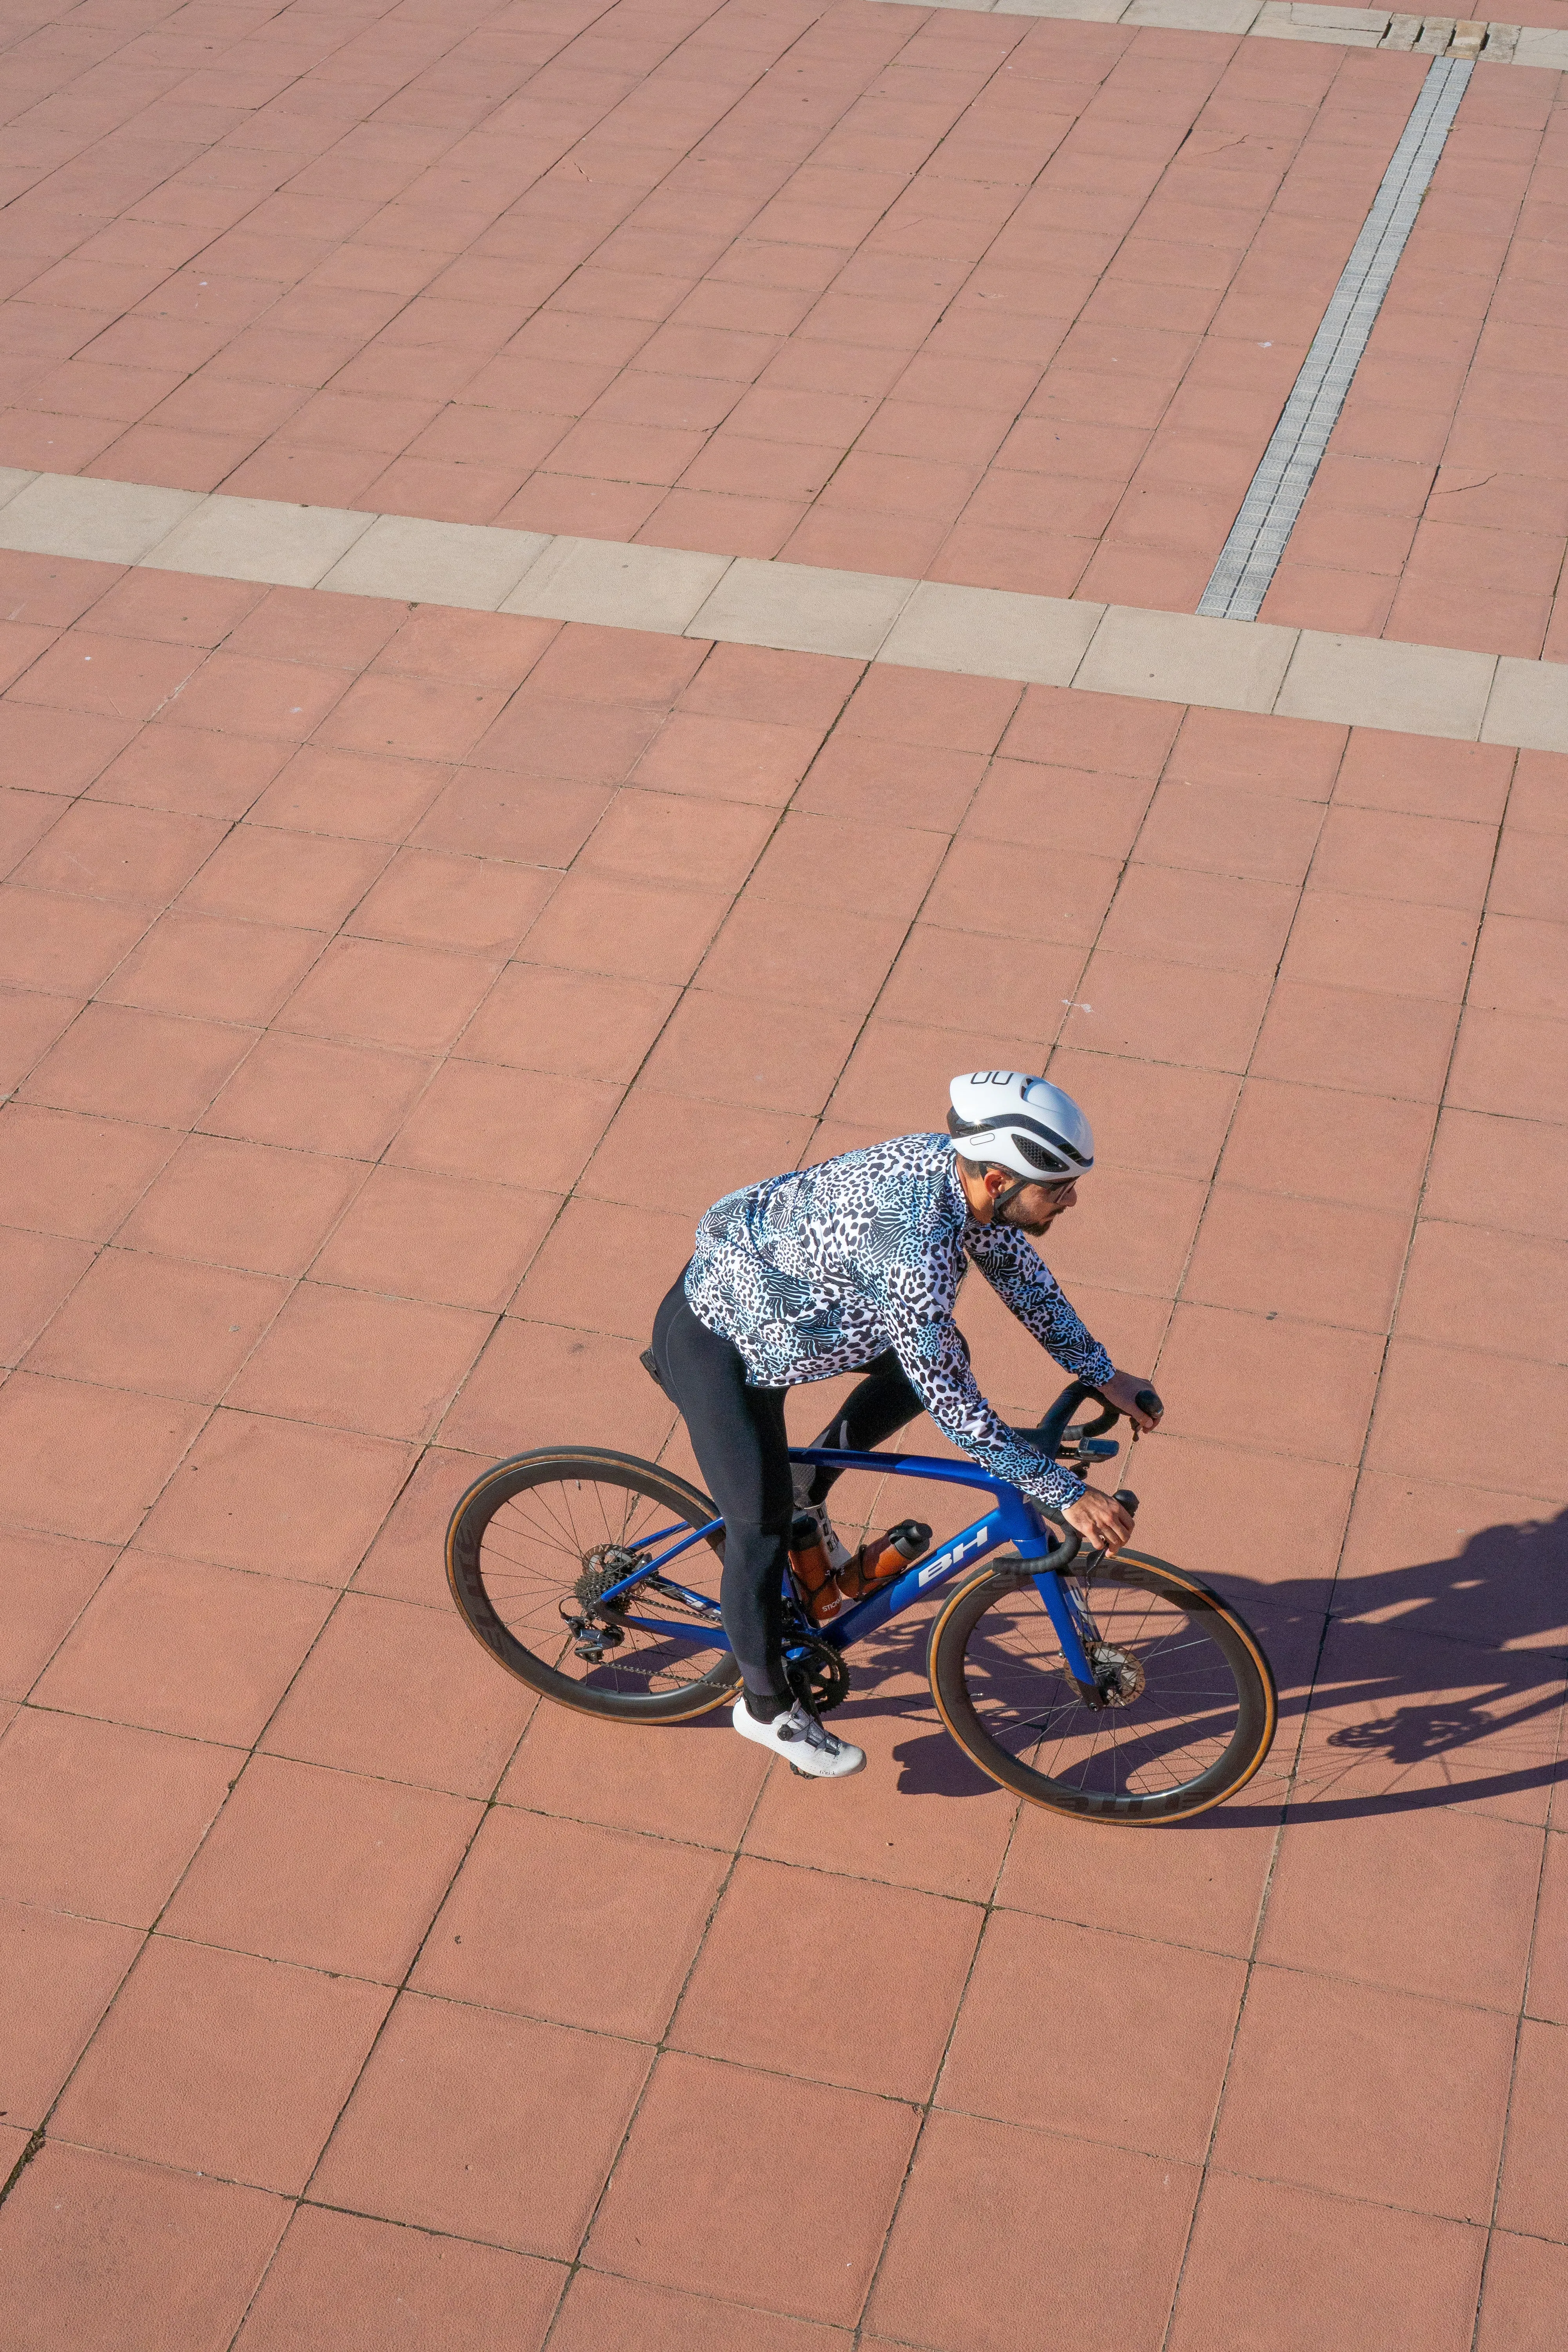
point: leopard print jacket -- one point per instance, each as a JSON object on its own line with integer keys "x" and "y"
{"x": 821, "y": 1270}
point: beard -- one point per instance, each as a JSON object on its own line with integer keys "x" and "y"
{"x": 1034, "y": 1226}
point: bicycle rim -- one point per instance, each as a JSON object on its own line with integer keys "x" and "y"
{"x": 530, "y": 1545}
{"x": 1195, "y": 1723}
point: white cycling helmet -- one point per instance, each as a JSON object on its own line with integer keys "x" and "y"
{"x": 1011, "y": 1120}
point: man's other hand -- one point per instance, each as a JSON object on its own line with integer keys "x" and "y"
{"x": 1100, "y": 1519}
{"x": 1122, "y": 1389}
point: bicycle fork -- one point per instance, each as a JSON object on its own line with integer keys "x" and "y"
{"x": 1074, "y": 1630}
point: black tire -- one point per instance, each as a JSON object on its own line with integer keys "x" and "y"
{"x": 523, "y": 1539}
{"x": 1191, "y": 1734}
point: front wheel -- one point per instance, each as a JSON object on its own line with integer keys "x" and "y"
{"x": 1192, "y": 1721}
{"x": 535, "y": 1545}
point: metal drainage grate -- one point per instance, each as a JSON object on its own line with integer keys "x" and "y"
{"x": 1250, "y": 556}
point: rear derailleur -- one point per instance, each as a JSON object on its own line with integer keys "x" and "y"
{"x": 592, "y": 1626}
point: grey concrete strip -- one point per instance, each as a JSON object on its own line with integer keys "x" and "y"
{"x": 1234, "y": 665}
{"x": 1259, "y": 537}
{"x": 1370, "y": 682}
{"x": 991, "y": 633}
{"x": 464, "y": 563}
{"x": 802, "y": 609}
{"x": 1528, "y": 706}
{"x": 102, "y": 523}
{"x": 1218, "y": 664}
{"x": 260, "y": 538}
{"x": 619, "y": 586}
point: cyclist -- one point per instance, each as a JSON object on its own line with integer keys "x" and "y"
{"x": 854, "y": 1266}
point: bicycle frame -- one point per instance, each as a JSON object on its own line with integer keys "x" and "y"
{"x": 1012, "y": 1519}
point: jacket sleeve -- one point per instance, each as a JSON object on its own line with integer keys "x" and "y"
{"x": 1027, "y": 1288}
{"x": 930, "y": 1348}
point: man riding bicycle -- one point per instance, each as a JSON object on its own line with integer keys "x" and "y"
{"x": 854, "y": 1266}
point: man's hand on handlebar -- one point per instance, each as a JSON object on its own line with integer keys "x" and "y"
{"x": 1125, "y": 1390}
{"x": 1099, "y": 1518}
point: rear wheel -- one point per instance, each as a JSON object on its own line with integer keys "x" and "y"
{"x": 536, "y": 1542}
{"x": 1191, "y": 1715}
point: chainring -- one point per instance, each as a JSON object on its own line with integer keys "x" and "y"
{"x": 815, "y": 1672}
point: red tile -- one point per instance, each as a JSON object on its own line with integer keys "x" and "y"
{"x": 143, "y": 856}
{"x": 345, "y": 1708}
{"x": 448, "y": 2124}
{"x": 513, "y": 1933}
{"x": 274, "y": 1495}
{"x": 1172, "y": 1013}
{"x": 58, "y": 1976}
{"x": 58, "y": 750}
{"x": 388, "y": 994}
{"x": 160, "y": 1325}
{"x": 312, "y": 1095}
{"x": 246, "y": 1204}
{"x": 1362, "y": 2275}
{"x": 88, "y": 1460}
{"x": 741, "y": 2228}
{"x": 755, "y": 684}
{"x": 192, "y": 964}
{"x": 386, "y": 2284}
{"x": 92, "y": 2244}
{"x": 1360, "y": 1039}
{"x": 138, "y": 1065}
{"x": 537, "y": 1017}
{"x": 37, "y": 1271}
{"x": 1499, "y": 1289}
{"x": 70, "y": 945}
{"x": 102, "y": 1820}
{"x": 430, "y": 902}
{"x": 176, "y": 1646}
{"x": 1525, "y": 2305}
{"x": 351, "y": 793}
{"x": 1326, "y": 1262}
{"x": 1095, "y": 1985}
{"x": 218, "y": 2063}
{"x": 282, "y": 701}
{"x": 448, "y": 1241}
{"x": 387, "y": 1367}
{"x": 1392, "y": 2097}
{"x": 418, "y": 718}
{"x": 600, "y": 2310}
{"x": 756, "y": 1996}
{"x": 508, "y": 1126}
{"x": 47, "y": 1581}
{"x": 108, "y": 676}
{"x": 1396, "y": 1902}
{"x": 1425, "y": 776}
{"x": 600, "y": 923}
{"x": 1508, "y": 1063}
{"x": 535, "y": 1385}
{"x": 1310, "y": 1385}
{"x": 261, "y": 875}
{"x": 531, "y": 820}
{"x": 325, "y": 1870}
{"x": 951, "y": 2280}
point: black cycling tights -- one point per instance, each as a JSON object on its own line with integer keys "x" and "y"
{"x": 738, "y": 1436}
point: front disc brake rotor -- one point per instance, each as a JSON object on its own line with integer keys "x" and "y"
{"x": 1120, "y": 1675}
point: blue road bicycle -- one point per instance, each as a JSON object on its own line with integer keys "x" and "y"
{"x": 1117, "y": 1689}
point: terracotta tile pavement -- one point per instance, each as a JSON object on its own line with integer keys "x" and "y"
{"x": 249, "y": 1295}
{"x": 363, "y": 1078}
{"x": 1008, "y": 303}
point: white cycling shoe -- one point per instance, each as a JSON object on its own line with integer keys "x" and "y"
{"x": 802, "y": 1741}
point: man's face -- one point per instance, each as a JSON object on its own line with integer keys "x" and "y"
{"x": 1036, "y": 1209}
